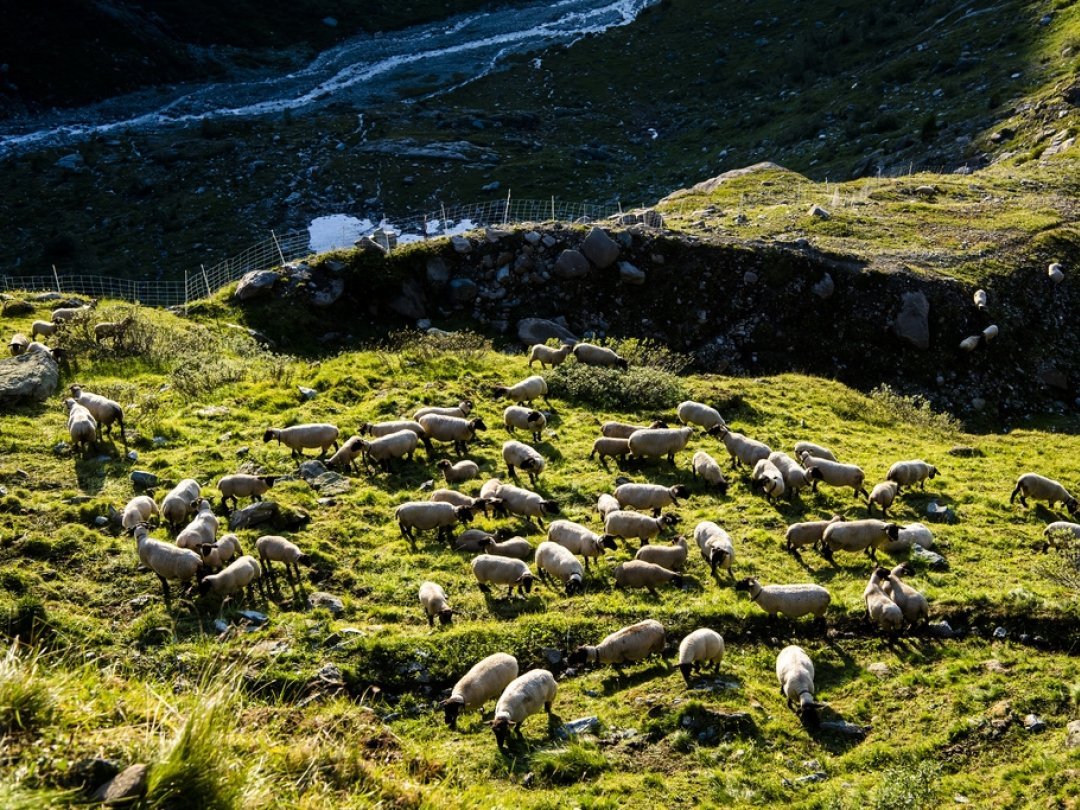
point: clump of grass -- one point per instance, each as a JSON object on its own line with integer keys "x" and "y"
{"x": 571, "y": 764}
{"x": 27, "y": 621}
{"x": 906, "y": 787}
{"x": 424, "y": 346}
{"x": 26, "y": 698}
{"x": 912, "y": 410}
{"x": 637, "y": 388}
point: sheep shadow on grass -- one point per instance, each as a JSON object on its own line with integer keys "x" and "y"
{"x": 505, "y": 609}
{"x": 615, "y": 682}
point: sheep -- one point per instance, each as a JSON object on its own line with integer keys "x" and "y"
{"x": 516, "y": 547}
{"x": 426, "y": 515}
{"x": 883, "y": 495}
{"x": 700, "y": 646}
{"x": 990, "y": 332}
{"x": 346, "y": 455}
{"x": 1055, "y": 273}
{"x": 240, "y": 573}
{"x": 659, "y": 442}
{"x": 525, "y": 391}
{"x": 622, "y": 430}
{"x": 555, "y": 560}
{"x": 461, "y": 410}
{"x": 526, "y": 503}
{"x": 242, "y": 485}
{"x": 202, "y": 529}
{"x": 81, "y": 425}
{"x": 1041, "y": 488}
{"x": 606, "y": 504}
{"x": 857, "y": 535}
{"x": 970, "y": 343}
{"x": 697, "y": 413}
{"x": 795, "y": 672}
{"x": 464, "y": 470}
{"x": 517, "y": 454}
{"x": 742, "y": 449}
{"x": 179, "y": 502}
{"x": 19, "y": 344}
{"x": 791, "y": 600}
{"x": 908, "y": 473}
{"x": 708, "y": 469}
{"x": 577, "y": 539}
{"x": 671, "y": 556}
{"x": 378, "y": 429}
{"x": 385, "y": 449}
{"x": 300, "y": 437}
{"x": 484, "y": 681}
{"x": 911, "y": 603}
{"x": 814, "y": 451}
{"x": 768, "y": 478}
{"x": 795, "y": 476}
{"x": 482, "y": 504}
{"x": 165, "y": 560}
{"x": 716, "y": 546}
{"x": 980, "y": 299}
{"x": 474, "y": 540}
{"x": 625, "y": 525}
{"x": 835, "y": 474}
{"x": 650, "y": 496}
{"x": 42, "y": 329}
{"x": 548, "y": 356}
{"x": 433, "y": 599}
{"x": 516, "y": 416}
{"x": 65, "y": 314}
{"x": 216, "y": 555}
{"x": 105, "y": 410}
{"x": 451, "y": 429}
{"x": 590, "y": 354}
{"x": 626, "y": 646}
{"x": 521, "y": 698}
{"x": 912, "y": 534}
{"x": 138, "y": 510}
{"x": 641, "y": 574}
{"x": 116, "y": 330}
{"x": 880, "y": 609}
{"x": 490, "y": 569}
{"x": 273, "y": 548}
{"x": 490, "y": 488}
{"x": 807, "y": 533}
{"x": 607, "y": 446}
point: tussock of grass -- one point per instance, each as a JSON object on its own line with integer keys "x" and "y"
{"x": 27, "y": 698}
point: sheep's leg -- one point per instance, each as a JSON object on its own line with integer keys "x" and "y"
{"x": 652, "y": 591}
{"x": 165, "y": 592}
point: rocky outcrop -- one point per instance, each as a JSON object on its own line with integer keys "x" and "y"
{"x": 29, "y": 376}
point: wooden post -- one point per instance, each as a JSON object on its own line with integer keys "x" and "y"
{"x": 206, "y": 280}
{"x": 506, "y": 213}
{"x": 185, "y": 291}
{"x": 56, "y": 278}
{"x": 277, "y": 245}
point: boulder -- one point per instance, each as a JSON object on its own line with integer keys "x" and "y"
{"x": 571, "y": 264}
{"x": 824, "y": 288}
{"x": 125, "y": 787}
{"x": 463, "y": 290}
{"x": 253, "y": 514}
{"x": 539, "y": 330}
{"x": 328, "y": 293}
{"x": 818, "y": 212}
{"x": 912, "y": 324}
{"x": 32, "y": 375}
{"x": 438, "y": 274}
{"x": 409, "y": 302}
{"x": 461, "y": 244}
{"x": 600, "y": 249}
{"x": 320, "y": 599}
{"x": 629, "y": 274}
{"x": 255, "y": 284}
{"x": 368, "y": 245}
{"x": 15, "y": 308}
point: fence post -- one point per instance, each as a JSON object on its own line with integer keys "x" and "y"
{"x": 506, "y": 213}
{"x": 206, "y": 280}
{"x": 278, "y": 246}
{"x": 442, "y": 206}
{"x": 185, "y": 291}
{"x": 56, "y": 278}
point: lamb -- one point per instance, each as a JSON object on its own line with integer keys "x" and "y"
{"x": 880, "y": 609}
{"x": 116, "y": 330}
{"x": 242, "y": 485}
{"x": 742, "y": 449}
{"x": 475, "y": 540}
{"x": 1041, "y": 488}
{"x": 273, "y": 548}
{"x": 1055, "y": 273}
{"x": 490, "y": 488}
{"x": 912, "y": 534}
{"x": 138, "y": 510}
{"x": 606, "y": 504}
{"x": 883, "y": 495}
{"x": 485, "y": 681}
{"x": 659, "y": 442}
{"x": 378, "y": 429}
{"x": 814, "y": 451}
{"x": 459, "y": 473}
{"x": 426, "y": 515}
{"x": 385, "y": 449}
{"x": 716, "y": 546}
{"x": 525, "y": 391}
{"x": 104, "y": 410}
{"x": 672, "y": 557}
{"x": 607, "y": 446}
{"x": 697, "y": 413}
{"x": 557, "y": 561}
{"x": 626, "y": 646}
{"x": 216, "y": 555}
{"x": 908, "y": 473}
{"x": 807, "y": 533}
{"x": 300, "y": 437}
{"x": 858, "y": 535}
{"x": 622, "y": 430}
{"x": 980, "y": 299}
{"x": 482, "y": 504}
{"x": 517, "y": 454}
{"x": 795, "y": 671}
{"x": 461, "y": 410}
{"x": 516, "y": 416}
{"x": 650, "y": 496}
{"x": 526, "y": 503}
{"x": 699, "y": 647}
{"x": 346, "y": 455}
{"x": 522, "y": 697}
{"x": 241, "y": 573}
{"x": 549, "y": 356}
{"x": 835, "y": 474}
{"x": 708, "y": 469}
{"x": 795, "y": 476}
{"x": 490, "y": 569}
{"x": 641, "y": 574}
{"x": 81, "y": 425}
{"x": 433, "y": 598}
{"x": 516, "y": 547}
{"x": 911, "y": 603}
{"x": 42, "y": 329}
{"x": 625, "y": 525}
{"x": 590, "y": 354}
{"x": 451, "y": 429}
{"x": 202, "y": 529}
{"x": 65, "y": 314}
{"x": 768, "y": 478}
{"x": 791, "y": 600}
{"x": 577, "y": 539}
{"x": 165, "y": 560}
{"x": 180, "y": 501}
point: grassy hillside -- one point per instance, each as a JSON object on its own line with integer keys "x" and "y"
{"x": 313, "y": 709}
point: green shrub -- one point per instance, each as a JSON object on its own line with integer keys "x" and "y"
{"x": 912, "y": 410}
{"x": 636, "y": 389}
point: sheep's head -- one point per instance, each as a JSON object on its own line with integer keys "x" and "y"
{"x": 465, "y": 406}
{"x": 445, "y": 615}
{"x": 893, "y": 531}
{"x": 550, "y": 507}
{"x": 578, "y": 657}
{"x": 268, "y": 479}
{"x": 477, "y": 424}
{"x": 76, "y": 391}
{"x": 525, "y": 582}
{"x": 498, "y": 391}
{"x": 746, "y": 584}
{"x": 451, "y": 709}
{"x": 574, "y": 585}
{"x": 443, "y": 464}
{"x": 270, "y": 434}
{"x": 607, "y": 541}
{"x": 680, "y": 491}
{"x": 658, "y": 424}
{"x": 933, "y": 471}
{"x": 534, "y": 416}
{"x": 677, "y": 580}
{"x": 502, "y": 727}
{"x": 464, "y": 514}
{"x": 1072, "y": 505}
{"x": 669, "y": 519}
{"x": 622, "y": 363}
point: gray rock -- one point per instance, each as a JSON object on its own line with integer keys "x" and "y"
{"x": 330, "y": 674}
{"x": 463, "y": 290}
{"x": 306, "y": 393}
{"x": 750, "y": 277}
{"x": 331, "y": 483}
{"x": 819, "y": 212}
{"x": 912, "y": 324}
{"x": 600, "y": 249}
{"x": 143, "y": 479}
{"x": 368, "y": 245}
{"x": 583, "y": 725}
{"x": 409, "y": 302}
{"x": 125, "y": 787}
{"x": 571, "y": 264}
{"x": 934, "y": 560}
{"x": 71, "y": 163}
{"x": 254, "y": 616}
{"x": 1072, "y": 734}
{"x": 552, "y": 655}
{"x": 438, "y": 274}
{"x": 629, "y": 274}
{"x": 539, "y": 330}
{"x": 940, "y": 629}
{"x": 320, "y": 599}
{"x": 880, "y": 669}
{"x": 328, "y": 293}
{"x": 311, "y": 469}
{"x": 255, "y": 284}
{"x": 461, "y": 244}
{"x": 33, "y": 375}
{"x": 253, "y": 515}
{"x": 1034, "y": 723}
{"x": 926, "y": 191}
{"x": 825, "y": 288}
{"x": 845, "y": 728}
{"x": 92, "y": 772}
{"x": 1000, "y": 633}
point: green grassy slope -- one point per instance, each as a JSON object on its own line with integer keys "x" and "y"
{"x": 120, "y": 676}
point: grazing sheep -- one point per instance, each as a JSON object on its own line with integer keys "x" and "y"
{"x": 641, "y": 574}
{"x": 485, "y": 681}
{"x": 464, "y": 470}
{"x": 606, "y": 504}
{"x": 650, "y": 496}
{"x": 490, "y": 488}
{"x": 883, "y": 495}
{"x": 557, "y": 561}
{"x": 880, "y": 609}
{"x": 912, "y": 534}
{"x": 517, "y": 454}
{"x": 768, "y": 478}
{"x": 105, "y": 410}
{"x": 216, "y": 555}
{"x": 461, "y": 499}
{"x": 240, "y": 573}
{"x": 461, "y": 410}
{"x": 165, "y": 560}
{"x": 911, "y": 603}
{"x": 659, "y": 442}
{"x": 115, "y": 330}
{"x": 622, "y": 430}
{"x": 980, "y": 299}
{"x": 626, "y": 646}
{"x": 970, "y": 343}
{"x": 179, "y": 502}
{"x": 742, "y": 449}
{"x": 835, "y": 474}
{"x": 791, "y": 600}
{"x": 451, "y": 429}
{"x": 814, "y": 451}
{"x": 805, "y": 534}
{"x": 19, "y": 344}
{"x": 1041, "y": 488}
{"x": 625, "y": 525}
{"x": 702, "y": 646}
{"x": 908, "y": 473}
{"x": 65, "y": 314}
{"x": 516, "y": 547}
{"x": 795, "y": 671}
{"x": 708, "y": 469}
{"x": 1055, "y": 273}
{"x": 716, "y": 546}
{"x": 857, "y": 535}
{"x": 534, "y": 422}
{"x": 577, "y": 539}
{"x": 81, "y": 425}
{"x": 242, "y": 485}
{"x": 525, "y": 391}
{"x": 590, "y": 354}
{"x": 523, "y": 696}
{"x": 138, "y": 510}
{"x": 526, "y": 503}
{"x": 433, "y": 598}
{"x": 273, "y": 548}
{"x": 300, "y": 437}
{"x": 548, "y": 356}
{"x": 607, "y": 446}
{"x": 346, "y": 455}
{"x": 490, "y": 569}
{"x": 697, "y": 413}
{"x": 202, "y": 529}
{"x": 385, "y": 449}
{"x": 795, "y": 476}
{"x": 42, "y": 329}
{"x": 378, "y": 429}
{"x": 426, "y": 515}
{"x": 672, "y": 556}
{"x": 475, "y": 540}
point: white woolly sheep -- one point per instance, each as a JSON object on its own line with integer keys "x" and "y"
{"x": 42, "y": 329}
{"x": 909, "y": 473}
{"x": 526, "y": 503}
{"x": 138, "y": 510}
{"x": 534, "y": 422}
{"x": 81, "y": 425}
{"x": 908, "y": 536}
{"x": 115, "y": 330}
{"x": 433, "y": 598}
{"x": 517, "y": 454}
{"x": 179, "y": 502}
{"x": 970, "y": 343}
{"x": 911, "y": 603}
{"x": 990, "y": 332}
{"x": 105, "y": 410}
{"x": 464, "y": 470}
{"x": 385, "y": 449}
{"x": 474, "y": 540}
{"x": 835, "y": 474}
{"x": 716, "y": 546}
{"x": 980, "y": 299}
{"x": 552, "y": 560}
{"x": 650, "y": 496}
{"x": 607, "y": 446}
{"x": 240, "y": 574}
{"x": 659, "y": 442}
{"x": 215, "y": 555}
{"x": 461, "y": 410}
{"x": 490, "y": 569}
{"x": 768, "y": 478}
{"x": 481, "y": 504}
{"x": 166, "y": 560}
{"x": 880, "y": 609}
{"x": 485, "y": 681}
{"x": 606, "y": 504}
{"x": 672, "y": 557}
{"x": 857, "y": 535}
{"x": 806, "y": 534}
{"x": 273, "y": 548}
{"x": 795, "y": 476}
{"x": 300, "y": 437}
{"x": 813, "y": 450}
{"x": 791, "y": 600}
{"x": 525, "y": 391}
{"x": 346, "y": 455}
{"x": 642, "y": 574}
{"x": 1041, "y": 488}
{"x": 523, "y": 696}
{"x": 625, "y": 525}
{"x": 423, "y": 516}
{"x": 702, "y": 646}
{"x": 882, "y": 495}
{"x": 795, "y": 671}
{"x": 490, "y": 488}
{"x": 242, "y": 485}
{"x": 201, "y": 530}
{"x": 548, "y": 356}
{"x": 516, "y": 547}
{"x": 626, "y": 646}
{"x": 578, "y": 539}
{"x": 743, "y": 449}
{"x": 1056, "y": 274}
{"x": 451, "y": 429}
{"x": 700, "y": 414}
{"x": 64, "y": 314}
{"x": 622, "y": 430}
{"x": 18, "y": 344}
{"x": 708, "y": 469}
{"x": 378, "y": 429}
{"x": 590, "y": 354}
